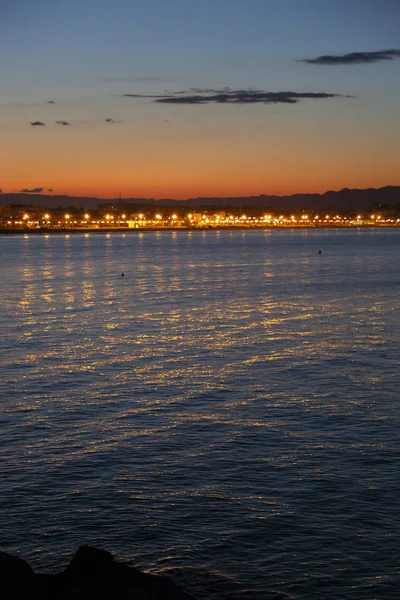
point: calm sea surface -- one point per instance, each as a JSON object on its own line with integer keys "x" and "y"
{"x": 226, "y": 413}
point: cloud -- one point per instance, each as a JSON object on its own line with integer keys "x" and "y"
{"x": 226, "y": 90}
{"x": 229, "y": 96}
{"x": 50, "y": 190}
{"x": 112, "y": 121}
{"x": 63, "y": 123}
{"x": 354, "y": 58}
{"x": 51, "y": 102}
{"x": 34, "y": 191}
{"x": 137, "y": 96}
{"x": 37, "y": 123}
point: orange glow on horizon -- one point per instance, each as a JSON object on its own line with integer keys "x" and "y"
{"x": 209, "y": 189}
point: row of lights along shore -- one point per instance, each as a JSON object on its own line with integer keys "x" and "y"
{"x": 192, "y": 220}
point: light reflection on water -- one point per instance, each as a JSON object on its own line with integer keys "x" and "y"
{"x": 226, "y": 411}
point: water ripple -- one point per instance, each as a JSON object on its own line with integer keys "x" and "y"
{"x": 226, "y": 413}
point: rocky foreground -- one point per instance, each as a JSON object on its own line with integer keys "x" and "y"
{"x": 91, "y": 574}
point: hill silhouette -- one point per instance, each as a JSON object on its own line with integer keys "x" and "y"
{"x": 345, "y": 199}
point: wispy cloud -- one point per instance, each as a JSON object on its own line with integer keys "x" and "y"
{"x": 33, "y": 191}
{"x": 229, "y": 96}
{"x": 112, "y": 121}
{"x": 64, "y": 123}
{"x": 354, "y": 58}
{"x": 37, "y": 124}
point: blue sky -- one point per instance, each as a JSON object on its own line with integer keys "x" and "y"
{"x": 85, "y": 55}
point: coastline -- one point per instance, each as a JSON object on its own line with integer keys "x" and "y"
{"x": 132, "y": 230}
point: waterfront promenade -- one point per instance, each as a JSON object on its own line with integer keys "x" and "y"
{"x": 74, "y": 224}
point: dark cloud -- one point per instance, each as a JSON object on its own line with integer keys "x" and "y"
{"x": 50, "y": 190}
{"x": 51, "y": 102}
{"x": 137, "y": 96}
{"x": 112, "y": 121}
{"x": 229, "y": 96}
{"x": 37, "y": 123}
{"x": 354, "y": 58}
{"x": 34, "y": 191}
{"x": 225, "y": 90}
{"x": 63, "y": 123}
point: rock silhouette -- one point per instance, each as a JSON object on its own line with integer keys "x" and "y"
{"x": 92, "y": 574}
{"x": 16, "y": 578}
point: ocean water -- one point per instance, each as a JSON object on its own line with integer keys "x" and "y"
{"x": 227, "y": 412}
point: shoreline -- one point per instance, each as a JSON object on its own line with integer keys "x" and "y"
{"x": 132, "y": 230}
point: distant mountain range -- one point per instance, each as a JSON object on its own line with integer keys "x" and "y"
{"x": 345, "y": 199}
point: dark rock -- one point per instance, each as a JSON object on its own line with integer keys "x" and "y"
{"x": 92, "y": 574}
{"x": 89, "y": 562}
{"x": 16, "y": 578}
{"x": 47, "y": 587}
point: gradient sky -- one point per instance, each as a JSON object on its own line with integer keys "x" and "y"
{"x": 74, "y": 61}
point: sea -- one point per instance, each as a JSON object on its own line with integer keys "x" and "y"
{"x": 221, "y": 407}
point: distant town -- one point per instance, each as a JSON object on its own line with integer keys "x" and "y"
{"x": 38, "y": 212}
{"x": 117, "y": 217}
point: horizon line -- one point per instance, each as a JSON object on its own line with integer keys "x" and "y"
{"x": 120, "y": 198}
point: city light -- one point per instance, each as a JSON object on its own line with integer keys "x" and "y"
{"x": 16, "y": 218}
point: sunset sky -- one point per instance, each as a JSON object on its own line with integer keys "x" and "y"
{"x": 179, "y": 99}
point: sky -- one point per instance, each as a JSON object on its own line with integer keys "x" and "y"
{"x": 182, "y": 99}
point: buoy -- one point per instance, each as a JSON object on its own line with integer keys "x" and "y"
{"x": 122, "y": 274}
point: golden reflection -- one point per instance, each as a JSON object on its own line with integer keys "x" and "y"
{"x": 89, "y": 294}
